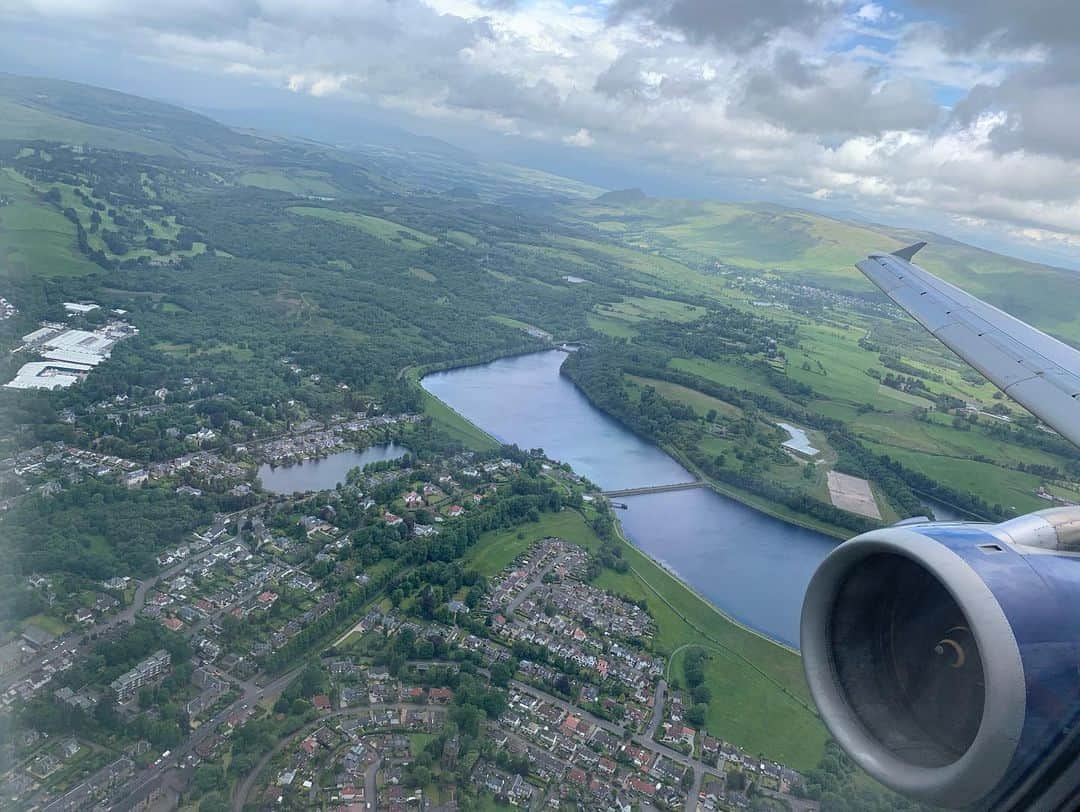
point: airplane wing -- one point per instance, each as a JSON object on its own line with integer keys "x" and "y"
{"x": 1034, "y": 369}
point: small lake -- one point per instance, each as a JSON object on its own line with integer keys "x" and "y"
{"x": 752, "y": 566}
{"x": 324, "y": 473}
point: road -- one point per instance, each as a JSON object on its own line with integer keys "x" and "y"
{"x": 511, "y": 607}
{"x": 243, "y": 789}
{"x": 658, "y": 709}
{"x": 144, "y": 782}
{"x": 642, "y": 740}
{"x": 371, "y": 785}
{"x": 124, "y": 616}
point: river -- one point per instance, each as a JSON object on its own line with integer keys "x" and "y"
{"x": 324, "y": 473}
{"x": 752, "y": 566}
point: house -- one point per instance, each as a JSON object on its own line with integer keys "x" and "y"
{"x": 321, "y": 702}
{"x": 454, "y": 511}
{"x": 679, "y": 734}
{"x": 440, "y": 696}
{"x": 173, "y": 624}
{"x": 413, "y": 500}
{"x": 641, "y": 786}
{"x": 266, "y": 599}
{"x": 392, "y": 520}
{"x": 135, "y": 478}
{"x": 84, "y": 615}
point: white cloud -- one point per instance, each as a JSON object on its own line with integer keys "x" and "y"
{"x": 582, "y": 138}
{"x": 805, "y": 108}
{"x": 870, "y": 13}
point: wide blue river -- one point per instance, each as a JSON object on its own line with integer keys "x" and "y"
{"x": 750, "y": 565}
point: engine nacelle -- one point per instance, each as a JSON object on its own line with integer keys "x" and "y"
{"x": 945, "y": 658}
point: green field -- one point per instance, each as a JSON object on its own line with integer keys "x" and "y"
{"x": 643, "y": 308}
{"x": 35, "y": 239}
{"x": 698, "y": 401}
{"x": 494, "y": 550}
{"x": 297, "y": 182}
{"x": 408, "y": 238}
{"x": 426, "y": 276}
{"x": 22, "y": 122}
{"x": 810, "y": 247}
{"x": 905, "y": 397}
{"x": 616, "y": 328}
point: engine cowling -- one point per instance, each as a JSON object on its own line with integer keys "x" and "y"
{"x": 945, "y": 658}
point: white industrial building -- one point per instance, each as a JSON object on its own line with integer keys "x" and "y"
{"x": 67, "y": 354}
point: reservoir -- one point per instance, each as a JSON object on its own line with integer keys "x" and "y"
{"x": 324, "y": 473}
{"x": 752, "y": 566}
{"x": 524, "y": 400}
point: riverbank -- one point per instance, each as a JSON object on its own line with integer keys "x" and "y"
{"x": 748, "y": 498}
{"x": 453, "y": 422}
{"x": 476, "y": 437}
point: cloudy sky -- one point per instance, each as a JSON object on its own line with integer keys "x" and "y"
{"x": 959, "y": 115}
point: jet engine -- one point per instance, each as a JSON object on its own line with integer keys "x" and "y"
{"x": 945, "y": 658}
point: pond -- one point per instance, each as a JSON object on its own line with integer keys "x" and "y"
{"x": 324, "y": 473}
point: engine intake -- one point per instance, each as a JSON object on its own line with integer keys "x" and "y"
{"x": 945, "y": 658}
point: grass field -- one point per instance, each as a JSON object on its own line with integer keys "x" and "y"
{"x": 420, "y": 273}
{"x": 35, "y": 239}
{"x": 904, "y": 397}
{"x": 698, "y": 401}
{"x": 297, "y": 182}
{"x": 616, "y": 328}
{"x": 532, "y": 329}
{"x": 1014, "y": 490}
{"x": 28, "y": 124}
{"x": 642, "y": 308}
{"x": 806, "y": 246}
{"x": 52, "y": 625}
{"x": 495, "y": 549}
{"x": 408, "y": 238}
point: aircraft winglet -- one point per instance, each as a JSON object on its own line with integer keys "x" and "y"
{"x": 910, "y": 251}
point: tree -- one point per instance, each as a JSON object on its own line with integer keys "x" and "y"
{"x": 696, "y": 715}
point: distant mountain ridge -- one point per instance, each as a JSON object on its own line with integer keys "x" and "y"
{"x": 34, "y": 108}
{"x": 390, "y": 159}
{"x": 621, "y": 197}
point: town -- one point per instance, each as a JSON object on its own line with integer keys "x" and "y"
{"x": 327, "y": 651}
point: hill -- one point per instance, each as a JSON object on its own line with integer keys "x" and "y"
{"x": 621, "y": 197}
{"x": 803, "y": 246}
{"x": 35, "y": 109}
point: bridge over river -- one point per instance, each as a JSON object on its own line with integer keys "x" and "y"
{"x": 678, "y": 486}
